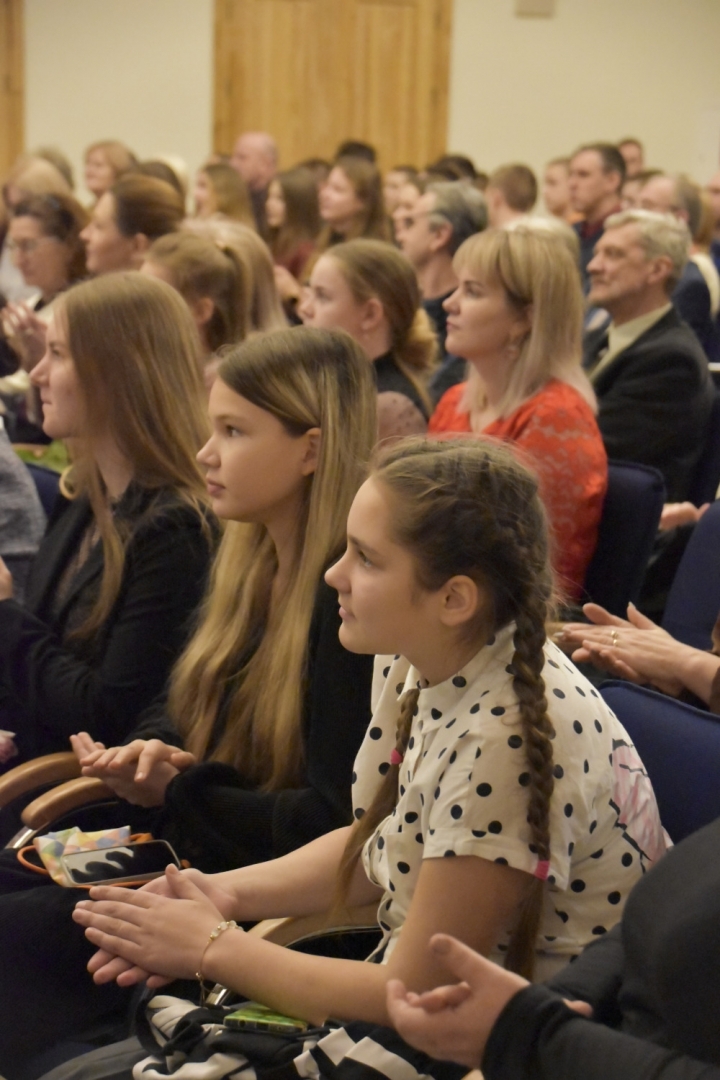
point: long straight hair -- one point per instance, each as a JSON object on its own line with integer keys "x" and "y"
{"x": 469, "y": 507}
{"x": 136, "y": 353}
{"x": 302, "y": 212}
{"x": 537, "y": 274}
{"x": 252, "y": 664}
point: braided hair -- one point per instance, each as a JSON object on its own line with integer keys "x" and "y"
{"x": 469, "y": 507}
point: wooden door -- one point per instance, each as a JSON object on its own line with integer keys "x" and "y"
{"x": 315, "y": 72}
{"x": 12, "y": 128}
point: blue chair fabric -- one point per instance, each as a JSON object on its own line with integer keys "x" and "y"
{"x": 693, "y": 603}
{"x": 707, "y": 475}
{"x": 47, "y": 482}
{"x": 628, "y": 526}
{"x": 680, "y": 748}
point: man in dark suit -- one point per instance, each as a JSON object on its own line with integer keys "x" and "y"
{"x": 596, "y": 177}
{"x": 648, "y": 370}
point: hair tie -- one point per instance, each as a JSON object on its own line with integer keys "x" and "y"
{"x": 396, "y": 758}
{"x": 542, "y": 869}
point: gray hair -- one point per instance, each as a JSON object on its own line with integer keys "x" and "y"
{"x": 459, "y": 205}
{"x": 660, "y": 234}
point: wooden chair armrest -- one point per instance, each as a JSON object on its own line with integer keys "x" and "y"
{"x": 50, "y": 769}
{"x": 64, "y": 798}
{"x": 290, "y": 931}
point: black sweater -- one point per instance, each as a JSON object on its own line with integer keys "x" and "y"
{"x": 653, "y": 982}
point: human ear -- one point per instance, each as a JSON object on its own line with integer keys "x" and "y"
{"x": 440, "y": 236}
{"x": 141, "y": 243}
{"x": 313, "y": 438}
{"x": 460, "y": 600}
{"x": 659, "y": 269}
{"x": 202, "y": 310}
{"x": 372, "y": 315}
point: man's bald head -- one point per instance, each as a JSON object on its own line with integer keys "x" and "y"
{"x": 255, "y": 157}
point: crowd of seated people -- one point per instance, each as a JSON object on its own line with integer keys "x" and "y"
{"x": 322, "y": 416}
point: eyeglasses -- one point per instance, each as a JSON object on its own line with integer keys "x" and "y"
{"x": 26, "y": 247}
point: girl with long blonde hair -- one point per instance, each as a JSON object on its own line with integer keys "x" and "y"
{"x": 495, "y": 796}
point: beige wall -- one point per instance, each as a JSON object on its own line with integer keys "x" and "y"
{"x": 135, "y": 70}
{"x": 530, "y": 89}
{"x": 521, "y": 88}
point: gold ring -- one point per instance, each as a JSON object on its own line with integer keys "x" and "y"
{"x": 614, "y": 637}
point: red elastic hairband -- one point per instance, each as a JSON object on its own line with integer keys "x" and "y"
{"x": 396, "y": 758}
{"x": 542, "y": 869}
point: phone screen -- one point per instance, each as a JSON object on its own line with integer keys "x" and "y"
{"x": 132, "y": 861}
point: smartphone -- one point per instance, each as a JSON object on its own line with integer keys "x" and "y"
{"x": 254, "y": 1017}
{"x": 119, "y": 865}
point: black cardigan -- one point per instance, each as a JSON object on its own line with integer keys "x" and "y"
{"x": 218, "y": 820}
{"x": 653, "y": 982}
{"x": 53, "y": 685}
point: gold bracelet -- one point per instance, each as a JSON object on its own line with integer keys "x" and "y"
{"x": 226, "y": 924}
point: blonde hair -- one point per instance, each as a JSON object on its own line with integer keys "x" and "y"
{"x": 538, "y": 275}
{"x": 469, "y": 507}
{"x": 230, "y": 192}
{"x": 136, "y": 354}
{"x": 372, "y": 268}
{"x": 116, "y": 154}
{"x": 306, "y": 378}
{"x": 199, "y": 268}
{"x": 262, "y": 309}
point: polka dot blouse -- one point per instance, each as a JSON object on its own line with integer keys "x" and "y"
{"x": 463, "y": 792}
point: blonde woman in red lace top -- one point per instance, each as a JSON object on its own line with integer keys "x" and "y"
{"x": 516, "y": 316}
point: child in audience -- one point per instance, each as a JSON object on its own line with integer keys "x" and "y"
{"x": 126, "y": 219}
{"x": 516, "y": 316}
{"x": 219, "y": 189}
{"x": 271, "y": 708}
{"x": 351, "y": 203}
{"x": 124, "y": 562}
{"x": 495, "y": 795}
{"x": 293, "y": 217}
{"x": 370, "y": 290}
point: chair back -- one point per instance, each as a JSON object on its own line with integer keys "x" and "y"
{"x": 706, "y": 480}
{"x": 680, "y": 748}
{"x": 631, "y": 512}
{"x": 693, "y": 603}
{"x": 47, "y": 482}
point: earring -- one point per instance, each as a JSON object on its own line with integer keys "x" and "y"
{"x": 512, "y": 350}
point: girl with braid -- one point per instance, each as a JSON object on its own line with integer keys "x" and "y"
{"x": 495, "y": 796}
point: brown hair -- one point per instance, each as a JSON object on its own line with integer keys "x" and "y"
{"x": 117, "y": 155}
{"x": 136, "y": 354}
{"x": 373, "y": 268}
{"x": 231, "y": 193}
{"x": 518, "y": 186}
{"x": 146, "y": 205}
{"x": 62, "y": 217}
{"x": 305, "y": 378}
{"x": 199, "y": 268}
{"x": 372, "y": 221}
{"x": 469, "y": 507}
{"x": 302, "y": 212}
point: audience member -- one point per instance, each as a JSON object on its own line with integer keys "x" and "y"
{"x": 597, "y": 174}
{"x": 713, "y": 190}
{"x": 511, "y": 193}
{"x": 293, "y": 216}
{"x": 648, "y": 369}
{"x": 556, "y": 190}
{"x": 700, "y": 252}
{"x": 22, "y": 523}
{"x": 633, "y": 154}
{"x": 351, "y": 204}
{"x": 369, "y": 289}
{"x": 123, "y": 563}
{"x": 516, "y": 316}
{"x": 691, "y": 296}
{"x": 319, "y": 167}
{"x": 126, "y": 219}
{"x": 357, "y": 149}
{"x": 28, "y": 176}
{"x": 105, "y": 162}
{"x": 219, "y": 189}
{"x": 262, "y": 309}
{"x": 408, "y": 196}
{"x": 59, "y": 160}
{"x": 443, "y": 218}
{"x": 446, "y": 571}
{"x": 162, "y": 170}
{"x": 632, "y": 187}
{"x": 271, "y": 707}
{"x": 393, "y": 183}
{"x": 255, "y": 157}
{"x": 214, "y": 283}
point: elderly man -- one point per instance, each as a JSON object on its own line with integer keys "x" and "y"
{"x": 255, "y": 157}
{"x": 648, "y": 370}
{"x": 442, "y": 218}
{"x": 597, "y": 173}
{"x": 678, "y": 195}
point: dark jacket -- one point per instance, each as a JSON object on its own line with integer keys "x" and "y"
{"x": 52, "y": 684}
{"x": 654, "y": 400}
{"x": 692, "y": 300}
{"x": 653, "y": 983}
